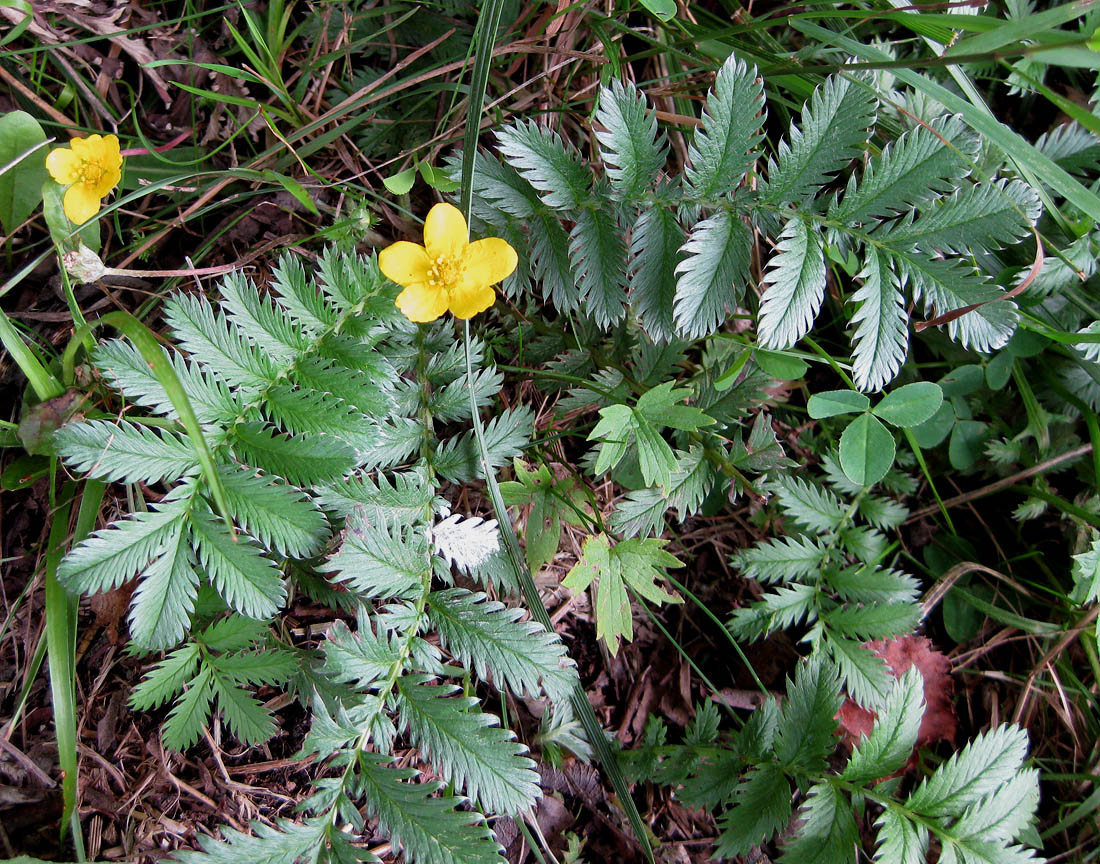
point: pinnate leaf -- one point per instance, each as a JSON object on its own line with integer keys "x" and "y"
{"x": 723, "y": 147}
{"x": 795, "y": 286}
{"x": 980, "y": 768}
{"x": 761, "y": 806}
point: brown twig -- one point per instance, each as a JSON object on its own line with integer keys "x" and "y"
{"x": 28, "y": 763}
{"x": 1003, "y": 483}
{"x": 1085, "y": 622}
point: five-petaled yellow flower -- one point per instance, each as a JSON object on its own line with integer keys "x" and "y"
{"x": 91, "y": 167}
{"x": 448, "y": 271}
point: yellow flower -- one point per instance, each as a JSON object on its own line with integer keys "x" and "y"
{"x": 448, "y": 271}
{"x": 91, "y": 167}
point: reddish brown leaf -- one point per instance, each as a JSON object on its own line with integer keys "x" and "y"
{"x": 939, "y": 712}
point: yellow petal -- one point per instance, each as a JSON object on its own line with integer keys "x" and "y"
{"x": 466, "y": 302}
{"x": 112, "y": 157}
{"x": 81, "y": 203}
{"x": 422, "y": 303}
{"x": 86, "y": 148}
{"x": 445, "y": 232}
{"x": 487, "y": 262}
{"x": 108, "y": 181}
{"x": 405, "y": 263}
{"x": 63, "y": 165}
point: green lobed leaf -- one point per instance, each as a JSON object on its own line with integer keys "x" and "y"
{"x": 260, "y": 320}
{"x": 874, "y": 621}
{"x": 314, "y": 412}
{"x": 362, "y": 658}
{"x": 506, "y": 435}
{"x": 298, "y": 297}
{"x": 301, "y": 459}
{"x": 634, "y": 562}
{"x": 185, "y": 721}
{"x": 883, "y": 513}
{"x": 348, "y": 280}
{"x": 712, "y": 782}
{"x": 654, "y": 244}
{"x": 641, "y": 512}
{"x": 116, "y": 554}
{"x": 1001, "y": 816}
{"x": 870, "y": 584}
{"x": 246, "y": 717}
{"x": 398, "y": 497}
{"x": 280, "y": 516}
{"x": 804, "y": 736}
{"x": 550, "y": 262}
{"x": 950, "y": 284}
{"x": 208, "y": 336}
{"x": 828, "y": 833}
{"x": 984, "y": 217}
{"x": 380, "y": 559}
{"x": 781, "y": 559}
{"x": 166, "y": 678}
{"x": 267, "y": 665}
{"x": 816, "y": 508}
{"x": 655, "y": 457}
{"x": 865, "y": 675}
{"x": 123, "y": 452}
{"x": 598, "y": 254}
{"x": 925, "y": 161}
{"x": 283, "y": 843}
{"x": 452, "y": 401}
{"x": 1086, "y": 572}
{"x": 164, "y": 601}
{"x": 783, "y": 607}
{"x": 899, "y": 840}
{"x": 122, "y": 364}
{"x": 233, "y": 633}
{"x": 363, "y": 380}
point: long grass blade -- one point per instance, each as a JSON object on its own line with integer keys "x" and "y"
{"x": 147, "y": 344}
{"x": 1008, "y": 141}
{"x": 488, "y": 24}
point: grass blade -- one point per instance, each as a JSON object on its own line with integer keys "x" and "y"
{"x": 1013, "y": 145}
{"x": 61, "y": 612}
{"x": 488, "y": 23}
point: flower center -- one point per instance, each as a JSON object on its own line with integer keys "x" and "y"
{"x": 445, "y": 272}
{"x": 90, "y": 172}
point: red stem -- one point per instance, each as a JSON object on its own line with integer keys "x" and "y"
{"x": 141, "y": 151}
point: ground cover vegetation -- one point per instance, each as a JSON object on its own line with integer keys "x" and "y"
{"x": 625, "y": 431}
